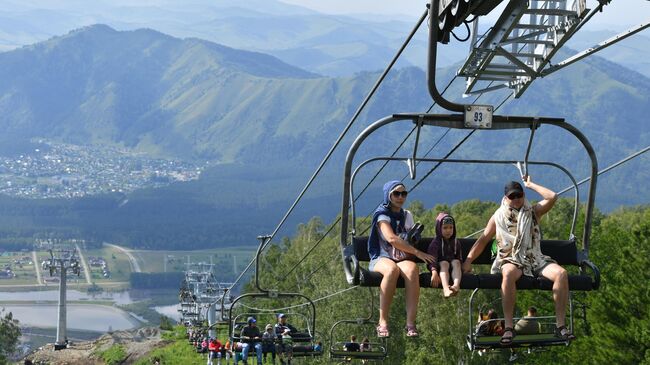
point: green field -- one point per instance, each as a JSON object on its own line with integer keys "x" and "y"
{"x": 117, "y": 261}
{"x": 228, "y": 263}
{"x": 24, "y": 271}
{"x": 228, "y": 260}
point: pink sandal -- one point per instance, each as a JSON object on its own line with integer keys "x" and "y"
{"x": 382, "y": 331}
{"x": 411, "y": 331}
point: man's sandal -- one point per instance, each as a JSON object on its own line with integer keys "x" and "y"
{"x": 411, "y": 331}
{"x": 382, "y": 331}
{"x": 563, "y": 333}
{"x": 505, "y": 338}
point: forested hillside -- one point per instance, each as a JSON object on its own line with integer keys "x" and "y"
{"x": 618, "y": 317}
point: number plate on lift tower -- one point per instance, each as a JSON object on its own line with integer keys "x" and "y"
{"x": 478, "y": 116}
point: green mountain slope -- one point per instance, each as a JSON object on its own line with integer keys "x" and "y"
{"x": 264, "y": 125}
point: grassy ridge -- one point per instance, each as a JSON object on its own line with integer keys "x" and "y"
{"x": 178, "y": 352}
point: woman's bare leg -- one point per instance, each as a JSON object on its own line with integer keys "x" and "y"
{"x": 391, "y": 273}
{"x": 411, "y": 274}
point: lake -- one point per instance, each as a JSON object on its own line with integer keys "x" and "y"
{"x": 122, "y": 297}
{"x": 88, "y": 317}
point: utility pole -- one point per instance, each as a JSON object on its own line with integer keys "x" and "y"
{"x": 65, "y": 261}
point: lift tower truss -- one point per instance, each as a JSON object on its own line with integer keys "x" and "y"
{"x": 513, "y": 52}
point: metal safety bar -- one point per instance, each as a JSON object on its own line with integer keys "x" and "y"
{"x": 574, "y": 185}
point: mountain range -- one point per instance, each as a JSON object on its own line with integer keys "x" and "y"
{"x": 264, "y": 125}
{"x": 332, "y": 45}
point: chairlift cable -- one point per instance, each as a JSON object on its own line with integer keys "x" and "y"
{"x": 608, "y": 168}
{"x": 299, "y": 305}
{"x": 338, "y": 219}
{"x": 449, "y": 153}
{"x": 358, "y": 112}
{"x": 383, "y": 166}
{"x": 459, "y": 143}
{"x": 371, "y": 181}
{"x": 339, "y": 139}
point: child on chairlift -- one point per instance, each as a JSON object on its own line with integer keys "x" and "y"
{"x": 446, "y": 249}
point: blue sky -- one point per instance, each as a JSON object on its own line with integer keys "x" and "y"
{"x": 618, "y": 15}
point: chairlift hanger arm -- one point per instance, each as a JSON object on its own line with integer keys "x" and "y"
{"x": 574, "y": 185}
{"x": 455, "y": 121}
{"x": 266, "y": 295}
{"x": 432, "y": 56}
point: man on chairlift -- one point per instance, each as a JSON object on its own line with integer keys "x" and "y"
{"x": 516, "y": 226}
{"x": 284, "y": 331}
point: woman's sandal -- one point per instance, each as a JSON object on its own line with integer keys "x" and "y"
{"x": 507, "y": 340}
{"x": 411, "y": 331}
{"x": 382, "y": 331}
{"x": 563, "y": 333}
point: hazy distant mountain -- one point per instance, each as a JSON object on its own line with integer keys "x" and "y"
{"x": 265, "y": 125}
{"x": 325, "y": 44}
{"x": 331, "y": 45}
{"x": 139, "y": 89}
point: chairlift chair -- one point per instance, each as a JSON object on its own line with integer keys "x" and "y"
{"x": 378, "y": 350}
{"x": 546, "y": 337}
{"x": 306, "y": 340}
{"x": 468, "y": 117}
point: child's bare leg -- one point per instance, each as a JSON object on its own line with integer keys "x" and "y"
{"x": 444, "y": 278}
{"x": 456, "y": 275}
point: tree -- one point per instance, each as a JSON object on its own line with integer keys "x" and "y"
{"x": 9, "y": 334}
{"x": 618, "y": 313}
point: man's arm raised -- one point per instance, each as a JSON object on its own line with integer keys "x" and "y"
{"x": 549, "y": 197}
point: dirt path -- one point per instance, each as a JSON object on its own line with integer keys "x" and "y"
{"x": 135, "y": 266}
{"x": 37, "y": 267}
{"x": 84, "y": 264}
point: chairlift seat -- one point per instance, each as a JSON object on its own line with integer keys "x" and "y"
{"x": 537, "y": 340}
{"x": 563, "y": 252}
{"x": 378, "y": 352}
{"x": 361, "y": 355}
{"x": 303, "y": 348}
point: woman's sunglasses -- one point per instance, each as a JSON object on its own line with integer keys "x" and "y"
{"x": 401, "y": 193}
{"x": 514, "y": 196}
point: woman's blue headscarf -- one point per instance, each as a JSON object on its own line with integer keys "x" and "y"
{"x": 384, "y": 209}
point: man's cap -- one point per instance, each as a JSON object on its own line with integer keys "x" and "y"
{"x": 268, "y": 327}
{"x": 513, "y": 187}
{"x": 251, "y": 320}
{"x": 282, "y": 315}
